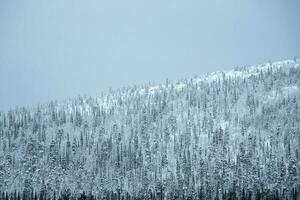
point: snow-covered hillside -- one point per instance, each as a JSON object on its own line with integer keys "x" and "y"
{"x": 232, "y": 132}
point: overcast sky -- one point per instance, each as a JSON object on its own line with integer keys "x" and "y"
{"x": 58, "y": 49}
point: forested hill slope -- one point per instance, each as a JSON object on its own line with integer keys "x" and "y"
{"x": 234, "y": 132}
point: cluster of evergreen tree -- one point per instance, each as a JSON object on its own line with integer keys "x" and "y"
{"x": 227, "y": 135}
{"x": 232, "y": 194}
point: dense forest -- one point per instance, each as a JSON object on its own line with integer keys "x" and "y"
{"x": 225, "y": 135}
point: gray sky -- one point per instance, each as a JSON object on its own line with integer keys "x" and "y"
{"x": 57, "y": 49}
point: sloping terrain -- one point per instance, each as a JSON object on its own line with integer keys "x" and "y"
{"x": 235, "y": 132}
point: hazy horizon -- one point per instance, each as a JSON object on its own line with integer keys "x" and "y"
{"x": 56, "y": 50}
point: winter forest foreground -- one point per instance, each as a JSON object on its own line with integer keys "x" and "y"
{"x": 225, "y": 135}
